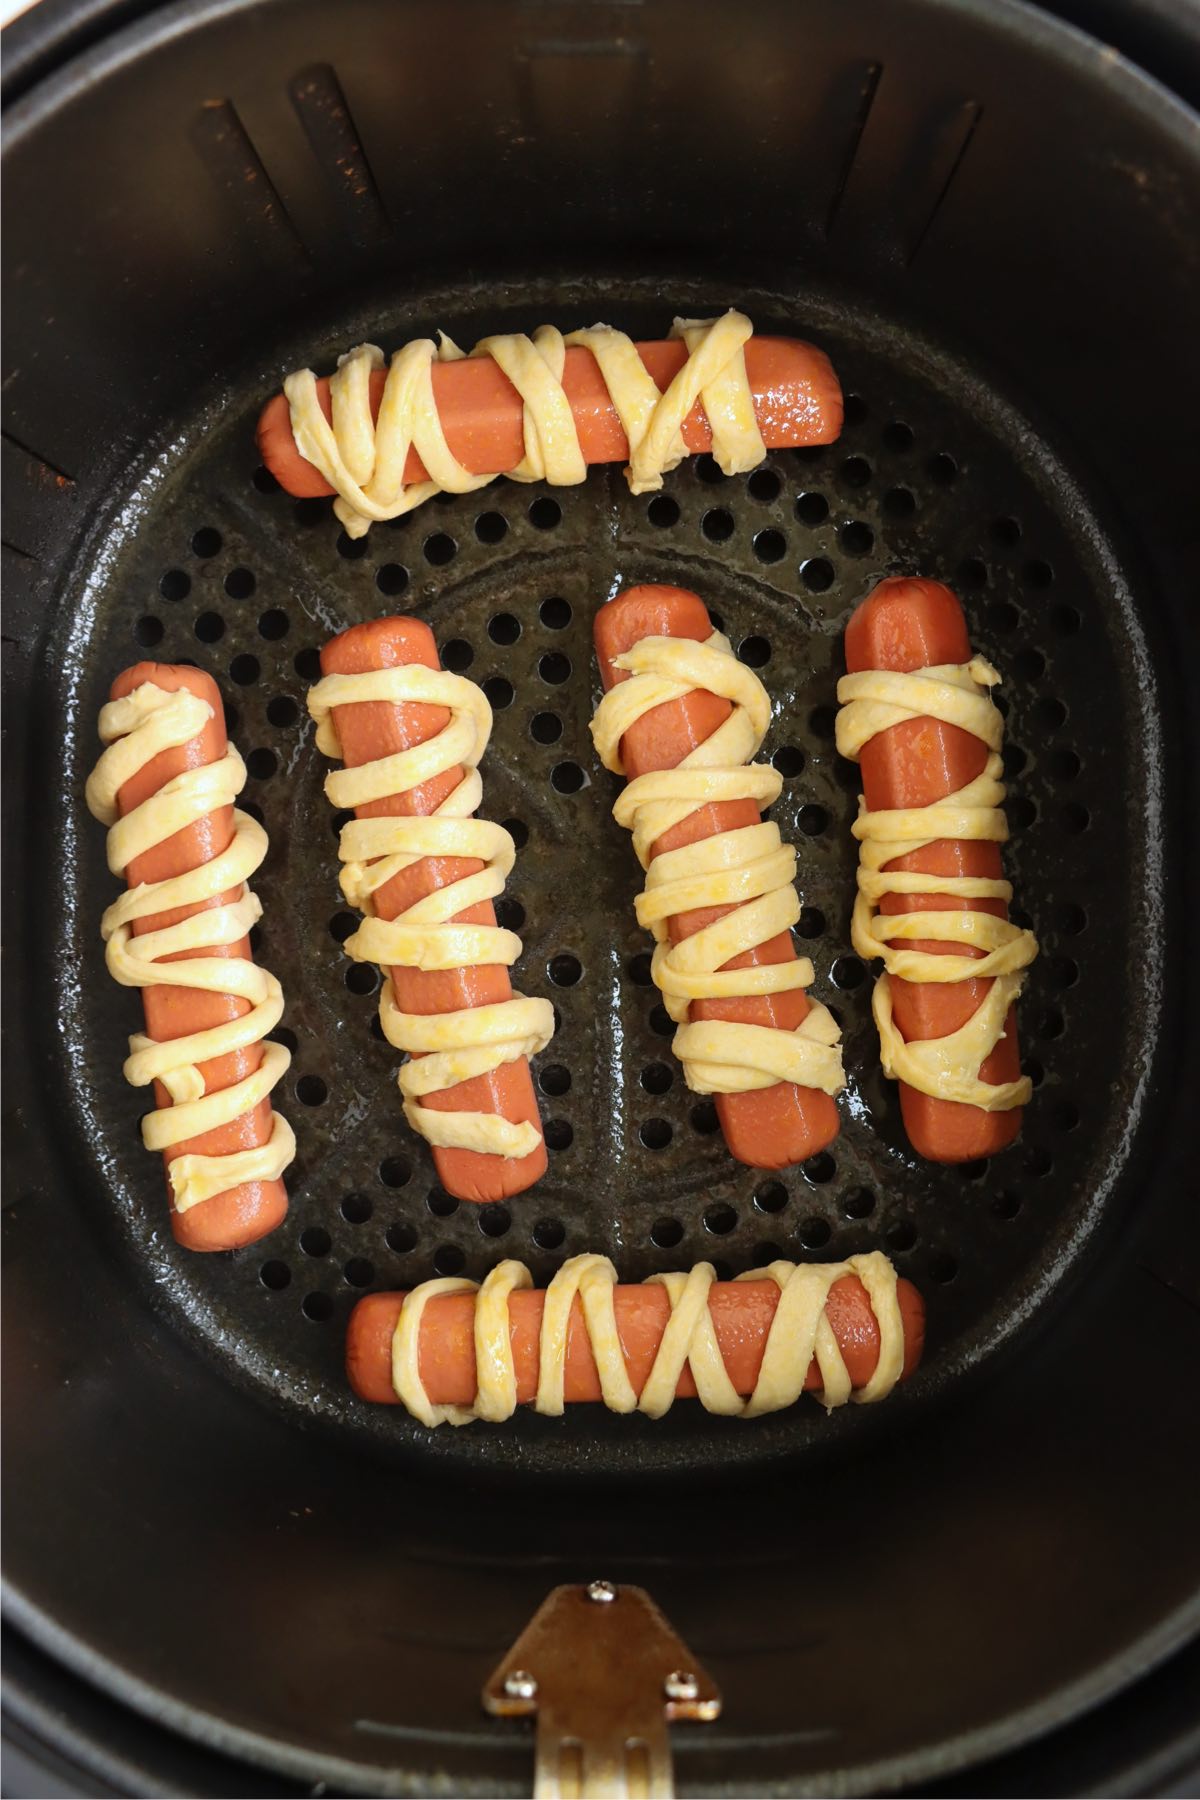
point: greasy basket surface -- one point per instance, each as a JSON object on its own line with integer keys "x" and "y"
{"x": 210, "y": 561}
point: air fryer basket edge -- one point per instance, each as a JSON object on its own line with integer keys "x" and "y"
{"x": 1181, "y": 1177}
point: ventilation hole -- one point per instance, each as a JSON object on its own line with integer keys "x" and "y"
{"x": 275, "y": 1275}
{"x": 942, "y": 1266}
{"x": 510, "y": 914}
{"x": 663, "y": 511}
{"x": 376, "y": 1028}
{"x": 661, "y": 1022}
{"x": 391, "y": 579}
{"x": 281, "y": 1035}
{"x": 494, "y": 1221}
{"x": 458, "y": 655}
{"x": 359, "y": 1272}
{"x": 440, "y": 549}
{"x": 703, "y": 1117}
{"x": 1049, "y": 715}
{"x": 307, "y": 664}
{"x": 638, "y": 969}
{"x": 855, "y": 410}
{"x": 856, "y": 538}
{"x": 720, "y": 1220}
{"x": 897, "y": 436}
{"x": 811, "y": 509}
{"x": 232, "y": 717}
{"x": 394, "y": 1172}
{"x": 148, "y": 631}
{"x": 1064, "y": 765}
{"x": 339, "y": 820}
{"x": 555, "y": 613}
{"x": 855, "y": 472}
{"x": 311, "y": 1090}
{"x": 764, "y": 485}
{"x": 317, "y": 1307}
{"x": 554, "y": 667}
{"x": 548, "y": 1234}
{"x": 1007, "y": 1204}
{"x": 262, "y": 764}
{"x": 817, "y": 574}
{"x": 206, "y": 542}
{"x": 1037, "y": 574}
{"x": 707, "y": 471}
{"x": 820, "y": 1168}
{"x": 264, "y": 481}
{"x": 362, "y": 978}
{"x": 942, "y": 468}
{"x": 239, "y": 584}
{"x": 1075, "y": 817}
{"x": 564, "y": 970}
{"x": 1066, "y": 620}
{"x": 1050, "y": 1023}
{"x": 555, "y": 1080}
{"x": 1064, "y": 972}
{"x": 499, "y": 691}
{"x": 814, "y": 1233}
{"x": 316, "y": 1241}
{"x": 175, "y": 585}
{"x": 770, "y": 546}
{"x": 448, "y": 1259}
{"x": 209, "y": 628}
{"x": 1038, "y": 1162}
{"x": 1021, "y": 812}
{"x": 400, "y": 1237}
{"x": 771, "y": 1197}
{"x": 1071, "y": 919}
{"x": 1029, "y": 665}
{"x": 859, "y": 1203}
{"x": 901, "y": 1237}
{"x": 811, "y": 922}
{"x": 717, "y": 525}
{"x": 309, "y": 512}
{"x": 559, "y": 1134}
{"x": 1014, "y": 759}
{"x": 666, "y": 1233}
{"x": 656, "y": 1078}
{"x": 812, "y": 820}
{"x": 755, "y": 652}
{"x": 244, "y": 670}
{"x": 566, "y": 778}
{"x": 256, "y": 813}
{"x": 254, "y": 937}
{"x": 356, "y": 1209}
{"x": 1001, "y": 704}
{"x": 789, "y": 760}
{"x": 715, "y": 620}
{"x": 1002, "y": 616}
{"x": 545, "y": 513}
{"x": 282, "y": 711}
{"x": 1005, "y": 531}
{"x": 899, "y": 503}
{"x": 518, "y": 831}
{"x": 504, "y": 628}
{"x": 441, "y": 1204}
{"x": 491, "y": 527}
{"x": 972, "y": 573}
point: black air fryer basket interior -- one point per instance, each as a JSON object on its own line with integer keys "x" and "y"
{"x": 989, "y": 222}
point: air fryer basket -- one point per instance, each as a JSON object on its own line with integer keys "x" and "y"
{"x": 206, "y": 1522}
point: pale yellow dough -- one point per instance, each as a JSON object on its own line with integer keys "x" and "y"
{"x": 799, "y": 1332}
{"x": 947, "y": 1068}
{"x": 751, "y": 869}
{"x": 363, "y": 459}
{"x": 136, "y": 729}
{"x": 446, "y": 1047}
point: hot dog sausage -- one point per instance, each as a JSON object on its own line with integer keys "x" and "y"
{"x": 797, "y": 400}
{"x": 242, "y": 1214}
{"x": 741, "y": 1312}
{"x": 907, "y": 624}
{"x": 373, "y": 729}
{"x": 771, "y": 1127}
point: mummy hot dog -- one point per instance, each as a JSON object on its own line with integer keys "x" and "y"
{"x": 425, "y": 873}
{"x": 165, "y": 787}
{"x": 542, "y": 408}
{"x": 682, "y": 717}
{"x": 917, "y": 714}
{"x": 452, "y": 1352}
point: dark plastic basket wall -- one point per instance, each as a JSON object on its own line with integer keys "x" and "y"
{"x": 990, "y": 221}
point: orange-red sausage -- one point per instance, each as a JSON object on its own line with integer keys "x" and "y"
{"x": 908, "y": 624}
{"x": 769, "y": 1128}
{"x": 742, "y": 1312}
{"x": 797, "y": 400}
{"x": 374, "y": 728}
{"x": 241, "y": 1215}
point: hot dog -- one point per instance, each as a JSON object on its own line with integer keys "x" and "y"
{"x": 741, "y": 1313}
{"x": 797, "y": 400}
{"x": 906, "y": 625}
{"x": 242, "y": 1214}
{"x": 368, "y": 731}
{"x": 770, "y": 1127}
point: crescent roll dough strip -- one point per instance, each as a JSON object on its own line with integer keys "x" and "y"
{"x": 799, "y": 1331}
{"x": 448, "y": 1047}
{"x": 752, "y": 869}
{"x": 947, "y": 1067}
{"x": 363, "y": 459}
{"x": 137, "y": 729}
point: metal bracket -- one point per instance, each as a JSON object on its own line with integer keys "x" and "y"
{"x": 604, "y": 1674}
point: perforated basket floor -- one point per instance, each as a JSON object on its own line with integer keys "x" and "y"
{"x": 208, "y": 560}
